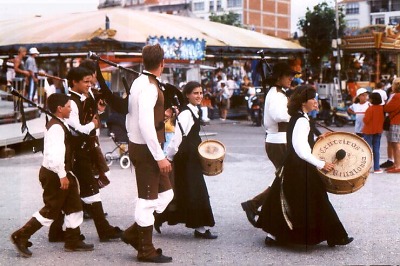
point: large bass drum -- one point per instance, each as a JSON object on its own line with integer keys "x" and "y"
{"x": 351, "y": 167}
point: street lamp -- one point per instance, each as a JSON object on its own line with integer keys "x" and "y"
{"x": 338, "y": 42}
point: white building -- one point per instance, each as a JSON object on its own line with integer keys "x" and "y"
{"x": 362, "y": 13}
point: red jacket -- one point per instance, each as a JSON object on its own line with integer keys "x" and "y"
{"x": 373, "y": 120}
{"x": 393, "y": 108}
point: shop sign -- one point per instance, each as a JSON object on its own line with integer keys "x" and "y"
{"x": 181, "y": 48}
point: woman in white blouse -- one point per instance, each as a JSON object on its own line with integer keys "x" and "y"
{"x": 298, "y": 210}
{"x": 191, "y": 204}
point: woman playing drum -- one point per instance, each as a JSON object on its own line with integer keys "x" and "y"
{"x": 297, "y": 210}
{"x": 191, "y": 204}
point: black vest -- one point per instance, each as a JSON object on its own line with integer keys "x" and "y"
{"x": 87, "y": 110}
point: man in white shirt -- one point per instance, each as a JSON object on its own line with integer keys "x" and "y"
{"x": 380, "y": 89}
{"x": 31, "y": 66}
{"x": 276, "y": 119}
{"x": 145, "y": 125}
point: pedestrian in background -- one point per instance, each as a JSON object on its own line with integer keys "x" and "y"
{"x": 20, "y": 69}
{"x": 224, "y": 100}
{"x": 373, "y": 128}
{"x": 379, "y": 88}
{"x": 392, "y": 107}
{"x": 31, "y": 66}
{"x": 389, "y": 150}
{"x": 358, "y": 108}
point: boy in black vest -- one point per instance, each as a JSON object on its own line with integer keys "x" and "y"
{"x": 84, "y": 118}
{"x": 59, "y": 184}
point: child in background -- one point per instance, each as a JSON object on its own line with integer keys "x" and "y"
{"x": 169, "y": 131}
{"x": 358, "y": 108}
{"x": 373, "y": 127}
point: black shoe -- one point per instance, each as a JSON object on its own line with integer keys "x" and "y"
{"x": 341, "y": 242}
{"x": 251, "y": 215}
{"x": 206, "y": 235}
{"x": 159, "y": 258}
{"x": 21, "y": 247}
{"x": 386, "y": 164}
{"x": 270, "y": 242}
{"x": 159, "y": 219}
{"x": 80, "y": 246}
{"x": 117, "y": 233}
{"x": 157, "y": 225}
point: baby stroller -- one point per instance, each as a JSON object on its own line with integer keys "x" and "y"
{"x": 119, "y": 135}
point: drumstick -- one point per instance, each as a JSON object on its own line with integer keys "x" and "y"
{"x": 340, "y": 154}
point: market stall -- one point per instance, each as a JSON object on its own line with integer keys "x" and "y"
{"x": 371, "y": 55}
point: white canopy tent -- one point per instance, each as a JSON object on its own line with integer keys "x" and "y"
{"x": 128, "y": 32}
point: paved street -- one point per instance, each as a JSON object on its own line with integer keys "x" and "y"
{"x": 371, "y": 215}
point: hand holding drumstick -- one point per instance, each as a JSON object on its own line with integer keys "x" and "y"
{"x": 340, "y": 154}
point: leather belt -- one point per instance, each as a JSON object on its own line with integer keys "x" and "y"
{"x": 282, "y": 126}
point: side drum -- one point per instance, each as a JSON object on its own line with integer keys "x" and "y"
{"x": 212, "y": 154}
{"x": 351, "y": 169}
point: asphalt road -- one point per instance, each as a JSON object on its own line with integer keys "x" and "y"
{"x": 371, "y": 215}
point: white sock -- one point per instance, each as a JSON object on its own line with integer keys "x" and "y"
{"x": 271, "y": 236}
{"x": 200, "y": 229}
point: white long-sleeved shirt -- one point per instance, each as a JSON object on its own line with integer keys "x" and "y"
{"x": 300, "y": 142}
{"x": 275, "y": 111}
{"x": 54, "y": 150}
{"x": 73, "y": 119}
{"x": 140, "y": 118}
{"x": 186, "y": 120}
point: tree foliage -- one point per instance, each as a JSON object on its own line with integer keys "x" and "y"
{"x": 229, "y": 18}
{"x": 319, "y": 28}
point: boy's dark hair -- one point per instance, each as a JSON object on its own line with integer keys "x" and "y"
{"x": 152, "y": 56}
{"x": 375, "y": 98}
{"x": 55, "y": 100}
{"x": 77, "y": 74}
{"x": 89, "y": 64}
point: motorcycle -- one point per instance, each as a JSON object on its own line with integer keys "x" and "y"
{"x": 339, "y": 116}
{"x": 255, "y": 109}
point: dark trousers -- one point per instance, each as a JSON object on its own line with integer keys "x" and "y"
{"x": 83, "y": 170}
{"x": 149, "y": 179}
{"x": 276, "y": 153}
{"x": 55, "y": 199}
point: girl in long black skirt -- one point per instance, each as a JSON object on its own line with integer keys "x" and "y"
{"x": 298, "y": 210}
{"x": 191, "y": 204}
